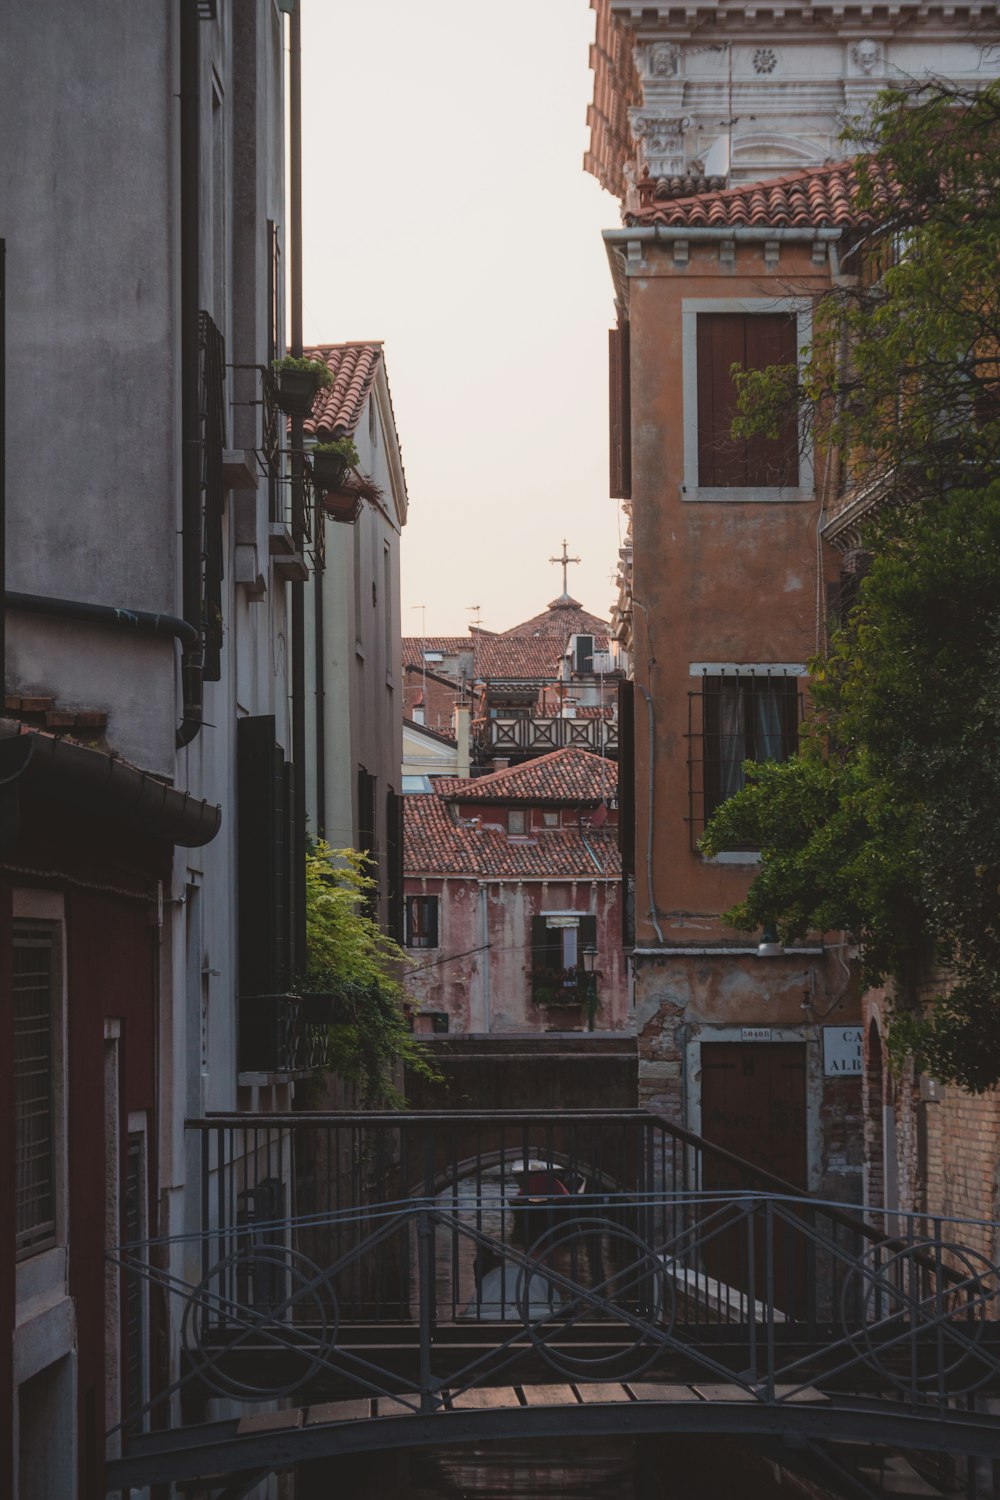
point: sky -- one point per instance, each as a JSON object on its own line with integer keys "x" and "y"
{"x": 447, "y": 213}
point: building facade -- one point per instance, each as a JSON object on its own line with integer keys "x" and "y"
{"x": 693, "y": 100}
{"x": 150, "y": 870}
{"x": 354, "y": 711}
{"x": 512, "y": 891}
{"x": 723, "y": 598}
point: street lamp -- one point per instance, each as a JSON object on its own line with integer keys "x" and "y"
{"x": 770, "y": 945}
{"x": 589, "y": 960}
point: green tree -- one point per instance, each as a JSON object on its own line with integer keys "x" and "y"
{"x": 887, "y": 821}
{"x": 351, "y": 958}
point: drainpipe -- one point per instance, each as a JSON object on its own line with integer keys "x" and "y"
{"x": 485, "y": 969}
{"x": 3, "y": 456}
{"x": 298, "y": 620}
{"x": 192, "y": 658}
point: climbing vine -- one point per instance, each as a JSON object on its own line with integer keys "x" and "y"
{"x": 350, "y": 958}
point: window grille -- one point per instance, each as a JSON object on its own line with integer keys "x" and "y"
{"x": 35, "y": 977}
{"x": 736, "y": 717}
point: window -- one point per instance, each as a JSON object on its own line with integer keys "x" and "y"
{"x": 753, "y": 341}
{"x": 752, "y": 332}
{"x": 550, "y": 820}
{"x": 583, "y": 653}
{"x": 36, "y": 1052}
{"x": 421, "y": 921}
{"x": 558, "y": 940}
{"x": 736, "y": 717}
{"x": 515, "y": 820}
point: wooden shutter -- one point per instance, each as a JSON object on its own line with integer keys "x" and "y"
{"x": 394, "y": 864}
{"x": 626, "y": 806}
{"x": 619, "y": 413}
{"x": 753, "y": 341}
{"x": 586, "y": 936}
{"x": 262, "y": 858}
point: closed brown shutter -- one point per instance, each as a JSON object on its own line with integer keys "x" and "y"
{"x": 753, "y": 341}
{"x": 619, "y": 414}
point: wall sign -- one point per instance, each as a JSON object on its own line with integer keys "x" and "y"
{"x": 842, "y": 1051}
{"x": 755, "y": 1033}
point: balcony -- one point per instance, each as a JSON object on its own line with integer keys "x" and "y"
{"x": 286, "y": 1035}
{"x": 537, "y": 736}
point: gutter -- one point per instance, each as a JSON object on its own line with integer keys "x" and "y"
{"x": 104, "y": 787}
{"x": 143, "y": 622}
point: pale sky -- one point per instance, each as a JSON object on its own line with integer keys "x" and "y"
{"x": 447, "y": 213}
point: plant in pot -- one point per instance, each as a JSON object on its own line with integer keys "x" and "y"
{"x": 298, "y": 381}
{"x": 331, "y": 461}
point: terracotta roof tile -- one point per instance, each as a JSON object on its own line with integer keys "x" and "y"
{"x": 435, "y": 845}
{"x": 815, "y": 198}
{"x": 563, "y": 617}
{"x": 414, "y": 647}
{"x": 571, "y": 775}
{"x": 337, "y": 409}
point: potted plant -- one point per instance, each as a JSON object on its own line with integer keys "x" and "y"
{"x": 298, "y": 381}
{"x": 331, "y": 461}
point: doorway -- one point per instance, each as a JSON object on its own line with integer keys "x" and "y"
{"x": 753, "y": 1103}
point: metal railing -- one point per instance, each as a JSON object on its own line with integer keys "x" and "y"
{"x": 339, "y": 1169}
{"x": 607, "y": 1287}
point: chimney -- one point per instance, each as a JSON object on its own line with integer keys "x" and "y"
{"x": 463, "y": 719}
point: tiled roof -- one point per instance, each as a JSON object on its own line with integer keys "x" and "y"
{"x": 435, "y": 845}
{"x": 814, "y": 198}
{"x": 337, "y": 409}
{"x": 563, "y": 617}
{"x": 518, "y": 658}
{"x": 528, "y": 657}
{"x": 414, "y": 647}
{"x": 562, "y": 776}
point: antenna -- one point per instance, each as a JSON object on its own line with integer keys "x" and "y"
{"x": 474, "y": 610}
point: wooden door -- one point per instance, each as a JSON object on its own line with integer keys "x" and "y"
{"x": 753, "y": 1103}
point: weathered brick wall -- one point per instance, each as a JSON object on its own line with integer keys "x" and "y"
{"x": 947, "y": 1145}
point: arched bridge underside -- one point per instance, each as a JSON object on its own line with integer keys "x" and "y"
{"x": 273, "y": 1441}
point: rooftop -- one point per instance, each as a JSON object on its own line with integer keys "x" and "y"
{"x": 434, "y": 844}
{"x": 818, "y": 197}
{"x": 337, "y": 409}
{"x": 574, "y": 776}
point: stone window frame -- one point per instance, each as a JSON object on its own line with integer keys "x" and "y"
{"x": 691, "y": 489}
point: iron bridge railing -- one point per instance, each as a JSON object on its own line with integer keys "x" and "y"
{"x": 373, "y": 1252}
{"x": 595, "y": 1286}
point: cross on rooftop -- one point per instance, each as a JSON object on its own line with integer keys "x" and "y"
{"x": 565, "y": 560}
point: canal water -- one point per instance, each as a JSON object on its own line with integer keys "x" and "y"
{"x": 591, "y": 1469}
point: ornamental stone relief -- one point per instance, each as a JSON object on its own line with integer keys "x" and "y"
{"x": 866, "y": 56}
{"x": 764, "y": 60}
{"x": 660, "y": 140}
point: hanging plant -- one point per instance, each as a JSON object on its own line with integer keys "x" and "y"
{"x": 331, "y": 461}
{"x": 298, "y": 381}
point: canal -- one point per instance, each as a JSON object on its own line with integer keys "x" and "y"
{"x": 595, "y": 1469}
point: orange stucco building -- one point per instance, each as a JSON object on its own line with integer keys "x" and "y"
{"x": 723, "y": 603}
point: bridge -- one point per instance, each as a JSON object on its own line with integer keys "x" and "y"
{"x": 367, "y": 1282}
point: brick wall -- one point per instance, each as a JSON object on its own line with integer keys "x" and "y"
{"x": 947, "y": 1142}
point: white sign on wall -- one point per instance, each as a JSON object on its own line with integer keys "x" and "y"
{"x": 842, "y": 1051}
{"x": 755, "y": 1033}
